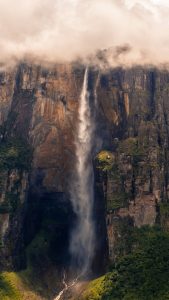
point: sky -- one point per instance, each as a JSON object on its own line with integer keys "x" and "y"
{"x": 132, "y": 31}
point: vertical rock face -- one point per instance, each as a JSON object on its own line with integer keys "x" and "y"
{"x": 39, "y": 108}
{"x": 53, "y": 124}
{"x": 135, "y": 172}
{"x": 12, "y": 203}
{"x": 7, "y": 82}
{"x": 38, "y": 117}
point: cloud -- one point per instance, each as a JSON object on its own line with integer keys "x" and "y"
{"x": 134, "y": 32}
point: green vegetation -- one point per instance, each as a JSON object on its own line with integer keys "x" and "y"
{"x": 164, "y": 209}
{"x": 131, "y": 147}
{"x": 140, "y": 275}
{"x": 114, "y": 173}
{"x": 30, "y": 283}
{"x": 8, "y": 290}
{"x": 15, "y": 154}
{"x": 105, "y": 160}
{"x": 13, "y": 286}
{"x": 10, "y": 204}
{"x": 117, "y": 200}
{"x": 125, "y": 237}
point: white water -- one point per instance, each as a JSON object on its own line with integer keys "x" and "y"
{"x": 64, "y": 290}
{"x": 66, "y": 287}
{"x": 82, "y": 239}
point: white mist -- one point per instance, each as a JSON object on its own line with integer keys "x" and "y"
{"x": 82, "y": 238}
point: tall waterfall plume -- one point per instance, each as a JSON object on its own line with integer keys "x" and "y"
{"x": 82, "y": 238}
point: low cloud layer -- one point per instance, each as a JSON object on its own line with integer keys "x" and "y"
{"x": 134, "y": 32}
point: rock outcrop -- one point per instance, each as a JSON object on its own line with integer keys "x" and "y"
{"x": 38, "y": 109}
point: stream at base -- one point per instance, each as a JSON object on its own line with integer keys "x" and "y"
{"x": 66, "y": 287}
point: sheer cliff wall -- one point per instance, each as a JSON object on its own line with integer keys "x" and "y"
{"x": 38, "y": 116}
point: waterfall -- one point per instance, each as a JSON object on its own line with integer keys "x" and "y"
{"x": 82, "y": 196}
{"x": 82, "y": 238}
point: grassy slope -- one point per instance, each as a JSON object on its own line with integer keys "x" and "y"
{"x": 13, "y": 287}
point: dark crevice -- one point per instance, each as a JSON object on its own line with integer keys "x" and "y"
{"x": 152, "y": 92}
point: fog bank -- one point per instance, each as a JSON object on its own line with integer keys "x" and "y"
{"x": 135, "y": 32}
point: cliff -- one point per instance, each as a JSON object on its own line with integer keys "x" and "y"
{"x": 134, "y": 174}
{"x": 38, "y": 117}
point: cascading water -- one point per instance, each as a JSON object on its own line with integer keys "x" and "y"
{"x": 82, "y": 196}
{"x": 66, "y": 287}
{"x": 82, "y": 238}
